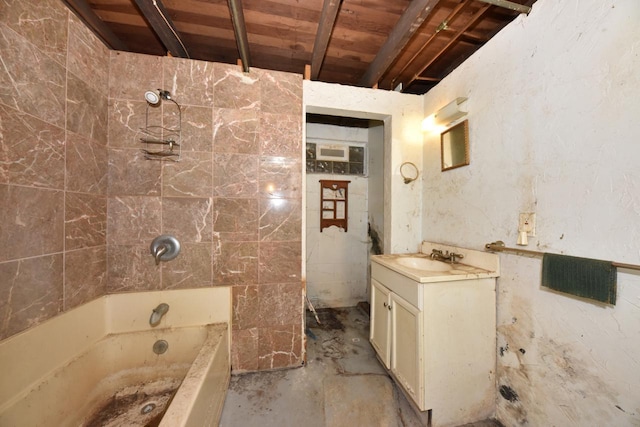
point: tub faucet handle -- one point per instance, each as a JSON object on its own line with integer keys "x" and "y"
{"x": 160, "y": 250}
{"x": 164, "y": 248}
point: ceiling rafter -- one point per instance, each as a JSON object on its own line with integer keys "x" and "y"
{"x": 158, "y": 17}
{"x": 82, "y": 9}
{"x": 339, "y": 44}
{"x": 240, "y": 30}
{"x": 413, "y": 16}
{"x": 443, "y": 26}
{"x": 325, "y": 28}
{"x": 457, "y": 35}
{"x": 509, "y": 5}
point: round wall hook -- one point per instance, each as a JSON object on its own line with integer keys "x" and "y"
{"x": 406, "y": 172}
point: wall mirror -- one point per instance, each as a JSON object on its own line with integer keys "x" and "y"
{"x": 455, "y": 146}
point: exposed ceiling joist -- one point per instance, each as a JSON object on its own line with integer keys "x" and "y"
{"x": 99, "y": 28}
{"x": 509, "y": 5}
{"x": 325, "y": 27}
{"x": 413, "y": 16}
{"x": 240, "y": 30}
{"x": 428, "y": 79}
{"x": 338, "y": 40}
{"x": 453, "y": 39}
{"x": 156, "y": 14}
{"x": 443, "y": 26}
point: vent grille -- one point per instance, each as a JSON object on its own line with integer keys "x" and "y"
{"x": 333, "y": 153}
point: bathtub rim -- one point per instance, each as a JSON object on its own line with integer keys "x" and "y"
{"x": 59, "y": 340}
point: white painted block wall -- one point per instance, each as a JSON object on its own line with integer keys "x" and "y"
{"x": 337, "y": 261}
{"x": 554, "y": 108}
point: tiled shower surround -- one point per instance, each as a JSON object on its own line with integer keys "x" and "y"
{"x": 79, "y": 204}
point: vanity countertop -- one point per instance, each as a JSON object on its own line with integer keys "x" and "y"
{"x": 421, "y": 268}
{"x": 457, "y": 271}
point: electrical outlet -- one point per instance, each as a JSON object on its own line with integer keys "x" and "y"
{"x": 527, "y": 223}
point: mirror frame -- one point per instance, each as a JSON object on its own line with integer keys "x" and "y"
{"x": 465, "y": 141}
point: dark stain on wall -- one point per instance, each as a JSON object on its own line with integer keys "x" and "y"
{"x": 504, "y": 349}
{"x": 376, "y": 244}
{"x": 509, "y": 393}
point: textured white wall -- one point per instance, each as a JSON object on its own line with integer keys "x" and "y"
{"x": 554, "y": 101}
{"x": 403, "y": 115}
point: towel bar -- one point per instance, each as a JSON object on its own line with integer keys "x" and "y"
{"x": 499, "y": 246}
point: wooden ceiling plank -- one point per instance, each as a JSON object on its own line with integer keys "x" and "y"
{"x": 158, "y": 17}
{"x": 111, "y": 18}
{"x": 300, "y": 11}
{"x": 413, "y": 16}
{"x": 325, "y": 28}
{"x": 240, "y": 30}
{"x": 82, "y": 9}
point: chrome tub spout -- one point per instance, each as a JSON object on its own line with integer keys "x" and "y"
{"x": 157, "y": 313}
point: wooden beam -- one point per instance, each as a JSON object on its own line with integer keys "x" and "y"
{"x": 453, "y": 39}
{"x": 240, "y": 30}
{"x": 509, "y": 5}
{"x": 413, "y": 16}
{"x": 427, "y": 79}
{"x": 158, "y": 17}
{"x": 443, "y": 26}
{"x": 307, "y": 72}
{"x": 325, "y": 28}
{"x": 83, "y": 11}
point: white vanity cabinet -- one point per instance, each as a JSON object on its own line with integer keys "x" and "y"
{"x": 438, "y": 340}
{"x": 380, "y": 326}
{"x": 396, "y": 329}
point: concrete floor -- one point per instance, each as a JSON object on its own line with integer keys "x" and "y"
{"x": 343, "y": 384}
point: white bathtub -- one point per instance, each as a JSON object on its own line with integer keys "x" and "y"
{"x": 95, "y": 364}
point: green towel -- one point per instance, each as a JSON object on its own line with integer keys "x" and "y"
{"x": 587, "y": 278}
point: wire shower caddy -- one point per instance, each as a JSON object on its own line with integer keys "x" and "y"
{"x": 162, "y": 142}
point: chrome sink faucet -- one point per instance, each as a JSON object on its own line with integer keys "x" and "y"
{"x": 451, "y": 257}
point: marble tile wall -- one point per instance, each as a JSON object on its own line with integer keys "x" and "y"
{"x": 79, "y": 204}
{"x": 233, "y": 200}
{"x": 53, "y": 163}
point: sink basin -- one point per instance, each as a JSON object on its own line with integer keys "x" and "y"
{"x": 420, "y": 267}
{"x": 422, "y": 263}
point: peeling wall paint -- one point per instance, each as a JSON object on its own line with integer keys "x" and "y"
{"x": 553, "y": 107}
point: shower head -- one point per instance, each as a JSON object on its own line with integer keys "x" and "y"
{"x": 151, "y": 97}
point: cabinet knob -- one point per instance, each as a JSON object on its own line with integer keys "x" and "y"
{"x": 389, "y": 307}
{"x": 384, "y": 304}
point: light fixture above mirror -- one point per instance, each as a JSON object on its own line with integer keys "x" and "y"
{"x": 445, "y": 116}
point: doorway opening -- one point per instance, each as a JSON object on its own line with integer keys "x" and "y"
{"x": 348, "y": 150}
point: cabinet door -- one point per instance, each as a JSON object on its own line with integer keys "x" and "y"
{"x": 406, "y": 347}
{"x": 380, "y": 326}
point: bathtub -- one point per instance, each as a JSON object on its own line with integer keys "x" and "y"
{"x": 95, "y": 365}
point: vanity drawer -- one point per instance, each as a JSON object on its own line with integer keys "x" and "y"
{"x": 408, "y": 289}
